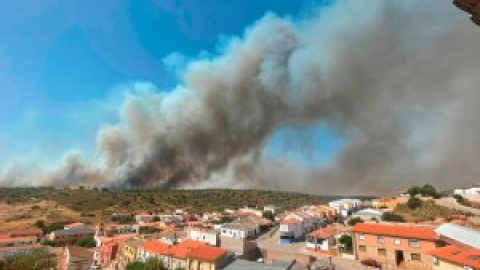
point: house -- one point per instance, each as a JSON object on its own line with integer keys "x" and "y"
{"x": 389, "y": 203}
{"x": 172, "y": 237}
{"x": 70, "y": 235}
{"x": 206, "y": 258}
{"x": 152, "y": 249}
{"x": 106, "y": 254}
{"x": 18, "y": 241}
{"x": 368, "y": 214}
{"x": 455, "y": 258}
{"x": 129, "y": 250}
{"x": 144, "y": 218}
{"x": 205, "y": 235}
{"x": 475, "y": 190}
{"x": 322, "y": 240}
{"x": 176, "y": 256}
{"x": 395, "y": 245}
{"x": 241, "y": 229}
{"x": 291, "y": 229}
{"x": 345, "y": 207}
{"x": 30, "y": 232}
{"x": 76, "y": 258}
{"x": 459, "y": 235}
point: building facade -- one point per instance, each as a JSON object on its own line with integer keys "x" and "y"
{"x": 395, "y": 245}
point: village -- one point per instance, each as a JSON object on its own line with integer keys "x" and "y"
{"x": 341, "y": 234}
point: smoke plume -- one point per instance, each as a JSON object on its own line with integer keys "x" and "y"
{"x": 397, "y": 80}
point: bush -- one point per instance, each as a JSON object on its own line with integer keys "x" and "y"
{"x": 353, "y": 221}
{"x": 87, "y": 242}
{"x": 268, "y": 215}
{"x": 414, "y": 203}
{"x": 392, "y": 217}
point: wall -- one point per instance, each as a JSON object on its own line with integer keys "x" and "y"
{"x": 443, "y": 265}
{"x": 372, "y": 245}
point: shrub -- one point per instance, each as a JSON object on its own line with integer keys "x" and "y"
{"x": 392, "y": 217}
{"x": 87, "y": 242}
{"x": 353, "y": 221}
{"x": 414, "y": 203}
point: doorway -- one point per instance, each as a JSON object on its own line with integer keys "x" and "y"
{"x": 399, "y": 257}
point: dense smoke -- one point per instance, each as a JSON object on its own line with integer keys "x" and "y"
{"x": 397, "y": 80}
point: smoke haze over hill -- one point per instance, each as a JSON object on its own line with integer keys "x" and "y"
{"x": 397, "y": 80}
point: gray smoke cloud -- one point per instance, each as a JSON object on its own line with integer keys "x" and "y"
{"x": 398, "y": 80}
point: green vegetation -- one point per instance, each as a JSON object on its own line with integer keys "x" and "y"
{"x": 347, "y": 242}
{"x": 151, "y": 264}
{"x": 414, "y": 203}
{"x": 105, "y": 202}
{"x": 87, "y": 242}
{"x": 353, "y": 221}
{"x": 48, "y": 228}
{"x": 268, "y": 215}
{"x": 392, "y": 217}
{"x": 33, "y": 260}
{"x": 426, "y": 190}
{"x": 148, "y": 230}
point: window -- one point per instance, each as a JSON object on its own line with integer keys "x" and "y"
{"x": 397, "y": 241}
{"x": 416, "y": 257}
{"x": 362, "y": 248}
{"x": 382, "y": 252}
{"x": 413, "y": 243}
{"x": 381, "y": 239}
{"x": 361, "y": 236}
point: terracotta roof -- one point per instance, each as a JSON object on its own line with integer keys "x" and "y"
{"x": 180, "y": 251}
{"x": 324, "y": 233}
{"x": 207, "y": 253}
{"x": 457, "y": 255}
{"x": 397, "y": 230}
{"x": 291, "y": 221}
{"x": 155, "y": 247}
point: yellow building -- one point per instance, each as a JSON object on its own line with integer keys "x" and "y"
{"x": 385, "y": 203}
{"x": 129, "y": 250}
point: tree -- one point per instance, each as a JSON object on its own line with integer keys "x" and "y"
{"x": 269, "y": 215}
{"x": 392, "y": 217}
{"x": 156, "y": 219}
{"x": 428, "y": 191}
{"x": 414, "y": 191}
{"x": 353, "y": 221}
{"x": 346, "y": 241}
{"x": 154, "y": 264}
{"x": 87, "y": 242}
{"x": 414, "y": 203}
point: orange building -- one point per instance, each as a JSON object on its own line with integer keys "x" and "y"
{"x": 390, "y": 203}
{"x": 396, "y": 245}
{"x": 456, "y": 258}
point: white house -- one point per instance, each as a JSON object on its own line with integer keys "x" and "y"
{"x": 291, "y": 229}
{"x": 475, "y": 190}
{"x": 322, "y": 239}
{"x": 240, "y": 229}
{"x": 345, "y": 206}
{"x": 203, "y": 235}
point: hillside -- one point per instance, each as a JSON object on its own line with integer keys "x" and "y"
{"x": 22, "y": 206}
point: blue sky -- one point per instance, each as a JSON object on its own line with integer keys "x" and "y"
{"x": 63, "y": 64}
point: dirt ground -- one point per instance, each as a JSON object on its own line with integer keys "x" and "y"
{"x": 24, "y": 215}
